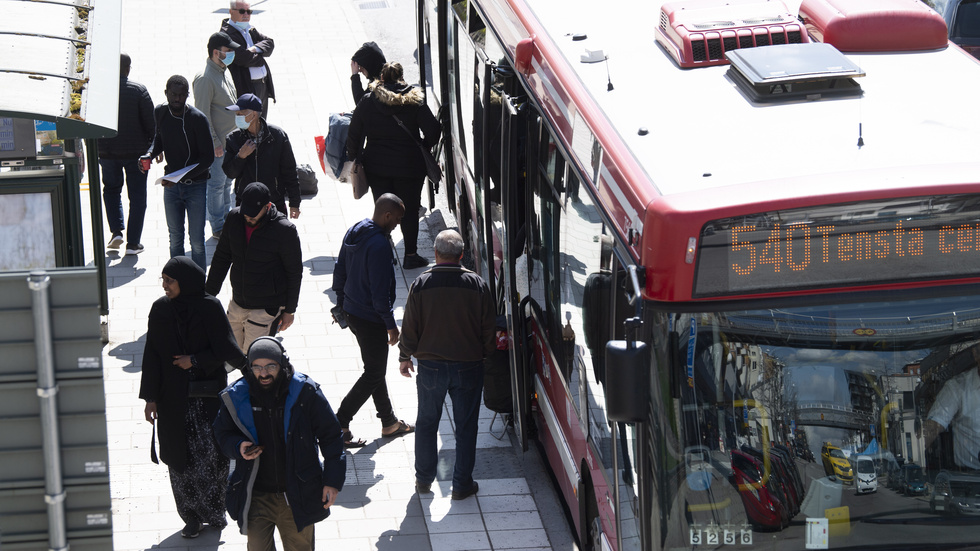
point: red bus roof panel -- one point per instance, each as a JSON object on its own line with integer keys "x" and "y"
{"x": 875, "y": 25}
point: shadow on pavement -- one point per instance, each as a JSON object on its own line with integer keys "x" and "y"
{"x": 411, "y": 534}
{"x": 209, "y": 539}
{"x": 133, "y": 349}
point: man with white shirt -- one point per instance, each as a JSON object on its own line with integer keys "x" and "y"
{"x": 249, "y": 69}
{"x": 957, "y": 407}
{"x": 213, "y": 91}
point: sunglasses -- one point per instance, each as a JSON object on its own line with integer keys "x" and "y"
{"x": 243, "y": 12}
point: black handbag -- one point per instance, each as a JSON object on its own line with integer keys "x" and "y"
{"x": 432, "y": 169}
{"x": 358, "y": 180}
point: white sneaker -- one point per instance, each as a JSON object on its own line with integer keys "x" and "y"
{"x": 134, "y": 249}
{"x": 116, "y": 241}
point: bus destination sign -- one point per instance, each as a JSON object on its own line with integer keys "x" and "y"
{"x": 924, "y": 238}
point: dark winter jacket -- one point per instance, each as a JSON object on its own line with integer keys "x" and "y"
{"x": 369, "y": 56}
{"x": 450, "y": 316}
{"x": 266, "y": 270}
{"x": 311, "y": 428}
{"x": 390, "y": 150}
{"x": 245, "y": 58}
{"x": 184, "y": 140}
{"x": 272, "y": 163}
{"x": 135, "y": 123}
{"x": 192, "y": 323}
{"x": 364, "y": 276}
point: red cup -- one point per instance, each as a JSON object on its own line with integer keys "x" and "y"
{"x": 145, "y": 164}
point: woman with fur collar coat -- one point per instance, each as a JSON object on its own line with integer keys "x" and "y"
{"x": 391, "y": 158}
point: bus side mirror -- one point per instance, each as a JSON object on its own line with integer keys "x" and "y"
{"x": 627, "y": 381}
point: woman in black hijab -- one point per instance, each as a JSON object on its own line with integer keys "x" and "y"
{"x": 188, "y": 341}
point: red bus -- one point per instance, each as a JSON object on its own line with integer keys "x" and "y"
{"x": 727, "y": 236}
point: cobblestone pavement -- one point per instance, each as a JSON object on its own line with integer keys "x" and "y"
{"x": 378, "y": 508}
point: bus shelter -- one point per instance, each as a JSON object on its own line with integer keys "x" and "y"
{"x": 59, "y": 76}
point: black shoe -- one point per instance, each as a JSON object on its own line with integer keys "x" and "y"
{"x": 413, "y": 261}
{"x": 134, "y": 249}
{"x": 116, "y": 241}
{"x": 191, "y": 530}
{"x": 423, "y": 488}
{"x": 471, "y": 492}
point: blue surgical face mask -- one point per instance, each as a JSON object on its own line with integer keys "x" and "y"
{"x": 229, "y": 57}
{"x": 240, "y": 122}
{"x": 243, "y": 25}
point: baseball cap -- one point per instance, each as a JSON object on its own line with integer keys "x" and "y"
{"x": 255, "y": 196}
{"x": 246, "y": 101}
{"x": 220, "y": 39}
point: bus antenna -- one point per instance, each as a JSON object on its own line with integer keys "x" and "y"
{"x": 609, "y": 86}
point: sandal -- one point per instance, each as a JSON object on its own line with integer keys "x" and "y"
{"x": 403, "y": 428}
{"x": 349, "y": 441}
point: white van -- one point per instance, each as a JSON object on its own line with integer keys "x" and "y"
{"x": 865, "y": 479}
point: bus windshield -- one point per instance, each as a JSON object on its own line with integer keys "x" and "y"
{"x": 798, "y": 393}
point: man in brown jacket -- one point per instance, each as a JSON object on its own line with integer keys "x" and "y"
{"x": 449, "y": 327}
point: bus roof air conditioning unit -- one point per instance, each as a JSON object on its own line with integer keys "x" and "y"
{"x": 697, "y": 33}
{"x": 874, "y": 25}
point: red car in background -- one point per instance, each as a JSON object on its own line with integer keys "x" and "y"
{"x": 762, "y": 506}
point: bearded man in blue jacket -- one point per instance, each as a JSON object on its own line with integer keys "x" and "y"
{"x": 275, "y": 423}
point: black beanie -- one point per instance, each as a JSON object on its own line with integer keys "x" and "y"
{"x": 266, "y": 348}
{"x": 370, "y": 57}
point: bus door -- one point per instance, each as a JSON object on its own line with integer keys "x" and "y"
{"x": 507, "y": 172}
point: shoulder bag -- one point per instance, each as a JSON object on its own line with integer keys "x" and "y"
{"x": 431, "y": 165}
{"x": 358, "y": 179}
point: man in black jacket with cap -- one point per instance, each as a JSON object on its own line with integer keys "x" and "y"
{"x": 262, "y": 250}
{"x": 275, "y": 423}
{"x": 261, "y": 152}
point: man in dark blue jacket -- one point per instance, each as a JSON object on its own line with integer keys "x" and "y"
{"x": 274, "y": 422}
{"x": 364, "y": 280}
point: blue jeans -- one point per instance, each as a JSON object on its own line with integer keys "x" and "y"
{"x": 219, "y": 196}
{"x": 112, "y": 179}
{"x": 191, "y": 199}
{"x": 464, "y": 383}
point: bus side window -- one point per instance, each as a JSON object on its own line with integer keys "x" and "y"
{"x": 581, "y": 255}
{"x": 544, "y": 258}
{"x": 460, "y": 75}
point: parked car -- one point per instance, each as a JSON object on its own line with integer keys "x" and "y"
{"x": 866, "y": 477}
{"x": 836, "y": 464}
{"x": 794, "y": 471}
{"x": 763, "y": 507}
{"x": 893, "y": 471}
{"x": 912, "y": 481}
{"x": 955, "y": 494}
{"x": 963, "y": 21}
{"x": 778, "y": 477}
